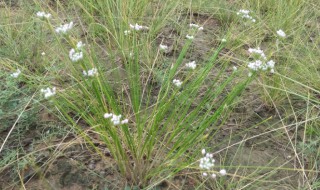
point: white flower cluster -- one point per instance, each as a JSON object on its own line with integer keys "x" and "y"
{"x": 90, "y": 73}
{"x": 137, "y": 27}
{"x": 245, "y": 14}
{"x": 76, "y": 54}
{"x": 190, "y": 37}
{"x": 115, "y": 119}
{"x": 196, "y": 26}
{"x": 207, "y": 162}
{"x": 163, "y": 47}
{"x": 281, "y": 33}
{"x": 49, "y": 92}
{"x": 261, "y": 63}
{"x": 258, "y": 52}
{"x": 43, "y": 15}
{"x": 177, "y": 82}
{"x": 16, "y": 74}
{"x": 191, "y": 65}
{"x": 64, "y": 28}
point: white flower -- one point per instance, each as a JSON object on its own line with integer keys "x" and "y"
{"x": 43, "y": 53}
{"x": 125, "y": 121}
{"x": 189, "y": 37}
{"x": 234, "y": 68}
{"x": 126, "y": 32}
{"x": 270, "y": 64}
{"x": 207, "y": 162}
{"x": 64, "y": 28}
{"x": 115, "y": 119}
{"x": 223, "y": 172}
{"x": 177, "y": 82}
{"x": 75, "y": 56}
{"x": 163, "y": 47}
{"x": 196, "y": 26}
{"x": 256, "y": 65}
{"x": 260, "y": 64}
{"x": 48, "y": 92}
{"x": 80, "y": 45}
{"x": 107, "y": 115}
{"x": 191, "y": 65}
{"x": 43, "y": 15}
{"x": 245, "y": 14}
{"x": 281, "y": 33}
{"x": 258, "y": 52}
{"x": 90, "y": 73}
{"x": 16, "y": 74}
{"x": 137, "y": 27}
{"x": 223, "y": 40}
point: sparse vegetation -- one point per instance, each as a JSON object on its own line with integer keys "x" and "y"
{"x": 137, "y": 94}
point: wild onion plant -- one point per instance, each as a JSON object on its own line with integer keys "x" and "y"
{"x": 151, "y": 125}
{"x": 148, "y": 130}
